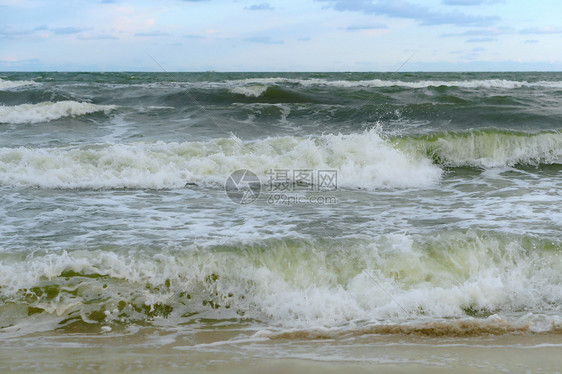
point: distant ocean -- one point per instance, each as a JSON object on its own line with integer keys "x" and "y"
{"x": 368, "y": 210}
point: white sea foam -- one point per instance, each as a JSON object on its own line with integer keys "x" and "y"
{"x": 7, "y": 85}
{"x": 250, "y": 91}
{"x": 477, "y": 83}
{"x": 487, "y": 83}
{"x": 48, "y": 111}
{"x": 296, "y": 284}
{"x": 361, "y": 160}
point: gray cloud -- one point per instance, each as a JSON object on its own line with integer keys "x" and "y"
{"x": 405, "y": 9}
{"x": 262, "y": 6}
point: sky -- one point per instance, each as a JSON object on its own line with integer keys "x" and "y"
{"x": 275, "y": 35}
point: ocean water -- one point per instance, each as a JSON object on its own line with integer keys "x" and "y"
{"x": 371, "y": 208}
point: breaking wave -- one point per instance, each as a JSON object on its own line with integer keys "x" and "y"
{"x": 7, "y": 85}
{"x": 48, "y": 111}
{"x": 250, "y": 91}
{"x": 362, "y": 161}
{"x": 484, "y": 83}
{"x": 449, "y": 283}
{"x": 486, "y": 148}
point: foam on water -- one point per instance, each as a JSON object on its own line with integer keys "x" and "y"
{"x": 250, "y": 91}
{"x": 48, "y": 111}
{"x": 7, "y": 85}
{"x": 478, "y": 83}
{"x": 391, "y": 283}
{"x": 362, "y": 161}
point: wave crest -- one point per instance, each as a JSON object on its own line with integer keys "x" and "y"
{"x": 457, "y": 280}
{"x": 361, "y": 160}
{"x": 48, "y": 111}
{"x": 477, "y": 83}
{"x": 250, "y": 91}
{"x": 7, "y": 85}
{"x": 486, "y": 148}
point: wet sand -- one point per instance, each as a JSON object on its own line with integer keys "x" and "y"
{"x": 152, "y": 352}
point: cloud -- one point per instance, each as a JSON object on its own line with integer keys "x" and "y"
{"x": 151, "y": 34}
{"x": 262, "y": 6}
{"x": 542, "y": 30}
{"x": 263, "y": 39}
{"x": 490, "y": 31}
{"x": 11, "y": 33}
{"x": 482, "y": 40}
{"x": 531, "y": 41}
{"x": 376, "y": 26}
{"x": 405, "y": 9}
{"x": 470, "y": 2}
{"x": 193, "y": 36}
{"x": 67, "y": 30}
{"x": 305, "y": 39}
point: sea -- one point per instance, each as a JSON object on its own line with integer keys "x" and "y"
{"x": 251, "y": 222}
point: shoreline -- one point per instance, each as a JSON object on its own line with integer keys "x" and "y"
{"x": 150, "y": 351}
